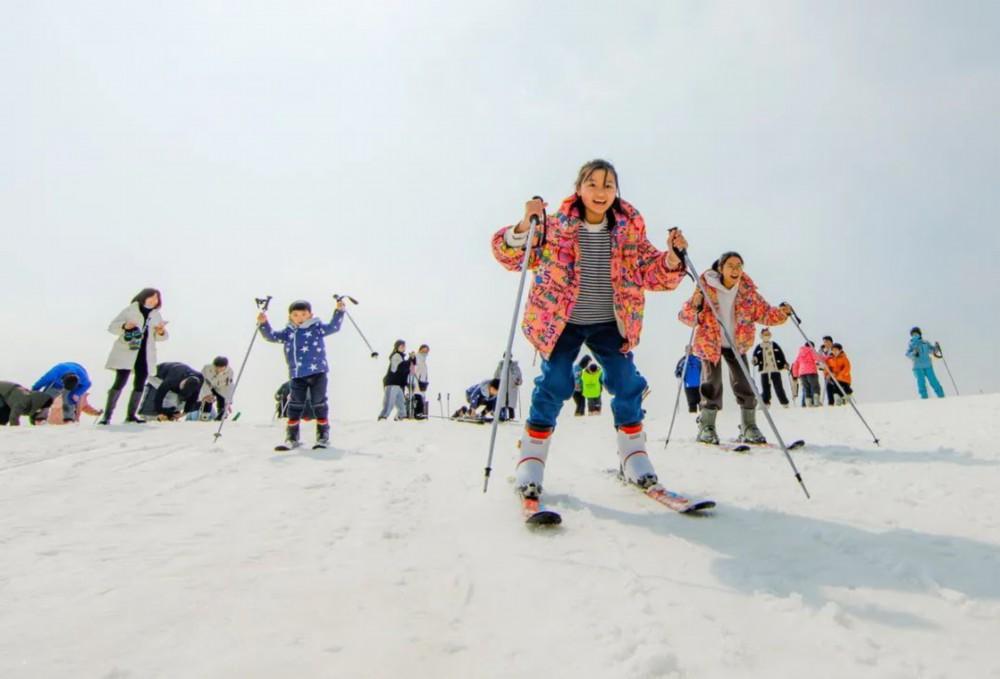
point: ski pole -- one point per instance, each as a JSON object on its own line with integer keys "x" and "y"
{"x": 351, "y": 319}
{"x": 680, "y": 385}
{"x": 525, "y": 265}
{"x": 743, "y": 367}
{"x": 440, "y": 404}
{"x": 937, "y": 346}
{"x": 262, "y": 304}
{"x": 798, "y": 324}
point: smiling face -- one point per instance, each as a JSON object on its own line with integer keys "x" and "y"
{"x": 598, "y": 190}
{"x": 732, "y": 271}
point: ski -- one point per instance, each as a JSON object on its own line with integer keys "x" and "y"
{"x": 676, "y": 501}
{"x": 668, "y": 498}
{"x": 794, "y": 445}
{"x": 537, "y": 514}
{"x": 731, "y": 447}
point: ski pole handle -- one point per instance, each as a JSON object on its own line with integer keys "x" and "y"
{"x": 263, "y": 302}
{"x": 793, "y": 314}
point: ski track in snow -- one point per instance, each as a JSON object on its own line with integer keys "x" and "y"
{"x": 151, "y": 551}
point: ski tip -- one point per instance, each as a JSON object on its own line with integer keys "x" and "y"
{"x": 544, "y": 517}
{"x": 699, "y": 506}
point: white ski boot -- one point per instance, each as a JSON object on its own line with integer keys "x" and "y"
{"x": 534, "y": 447}
{"x": 634, "y": 462}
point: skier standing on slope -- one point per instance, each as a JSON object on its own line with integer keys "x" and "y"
{"x": 305, "y": 354}
{"x": 769, "y": 360}
{"x": 133, "y": 354}
{"x": 921, "y": 352}
{"x": 735, "y": 297}
{"x": 395, "y": 382}
{"x": 514, "y": 380}
{"x": 592, "y": 264}
{"x": 806, "y": 367}
{"x": 692, "y": 378}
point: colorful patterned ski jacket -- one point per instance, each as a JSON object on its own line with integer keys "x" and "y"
{"x": 305, "y": 346}
{"x": 636, "y": 266}
{"x": 748, "y": 309}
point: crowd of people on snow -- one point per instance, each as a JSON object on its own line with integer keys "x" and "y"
{"x": 593, "y": 264}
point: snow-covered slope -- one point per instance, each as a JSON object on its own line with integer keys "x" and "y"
{"x": 151, "y": 552}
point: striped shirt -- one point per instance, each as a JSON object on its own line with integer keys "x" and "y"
{"x": 596, "y": 302}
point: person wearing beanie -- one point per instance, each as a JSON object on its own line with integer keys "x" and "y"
{"x": 305, "y": 354}
{"x": 921, "y": 352}
{"x": 740, "y": 306}
{"x": 17, "y": 402}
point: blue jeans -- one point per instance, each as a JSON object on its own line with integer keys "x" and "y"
{"x": 925, "y": 375}
{"x": 621, "y": 378}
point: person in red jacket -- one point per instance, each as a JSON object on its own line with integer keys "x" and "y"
{"x": 734, "y": 296}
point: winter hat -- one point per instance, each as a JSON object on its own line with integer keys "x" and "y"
{"x": 70, "y": 381}
{"x": 300, "y": 305}
{"x": 916, "y": 331}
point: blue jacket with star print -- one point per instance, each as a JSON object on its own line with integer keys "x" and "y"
{"x": 305, "y": 347}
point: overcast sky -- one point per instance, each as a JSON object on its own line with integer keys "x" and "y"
{"x": 226, "y": 150}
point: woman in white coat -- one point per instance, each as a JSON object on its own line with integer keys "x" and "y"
{"x": 133, "y": 354}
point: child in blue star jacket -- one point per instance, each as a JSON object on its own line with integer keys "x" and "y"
{"x": 305, "y": 353}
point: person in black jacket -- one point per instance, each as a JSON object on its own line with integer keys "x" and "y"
{"x": 395, "y": 381}
{"x": 179, "y": 380}
{"x": 17, "y": 401}
{"x": 769, "y": 359}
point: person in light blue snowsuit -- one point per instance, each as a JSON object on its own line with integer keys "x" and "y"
{"x": 921, "y": 352}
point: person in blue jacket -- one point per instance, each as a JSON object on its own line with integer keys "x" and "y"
{"x": 921, "y": 352}
{"x": 305, "y": 354}
{"x": 692, "y": 378}
{"x": 69, "y": 380}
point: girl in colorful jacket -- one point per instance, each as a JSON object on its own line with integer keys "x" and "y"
{"x": 808, "y": 372}
{"x": 592, "y": 264}
{"x": 735, "y": 298}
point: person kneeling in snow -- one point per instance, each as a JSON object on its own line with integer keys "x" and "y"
{"x": 16, "y": 401}
{"x": 480, "y": 395}
{"x": 734, "y": 296}
{"x": 217, "y": 387}
{"x": 173, "y": 392}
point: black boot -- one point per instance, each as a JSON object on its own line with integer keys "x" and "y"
{"x": 133, "y": 406}
{"x": 291, "y": 438}
{"x": 322, "y": 435}
{"x": 109, "y": 407}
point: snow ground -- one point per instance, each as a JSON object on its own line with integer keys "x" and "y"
{"x": 150, "y": 552}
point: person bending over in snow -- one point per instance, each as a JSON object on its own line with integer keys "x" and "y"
{"x": 921, "y": 352}
{"x": 16, "y": 401}
{"x": 735, "y": 297}
{"x": 592, "y": 264}
{"x": 305, "y": 354}
{"x": 482, "y": 395}
{"x": 217, "y": 388}
{"x": 172, "y": 392}
{"x": 68, "y": 382}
